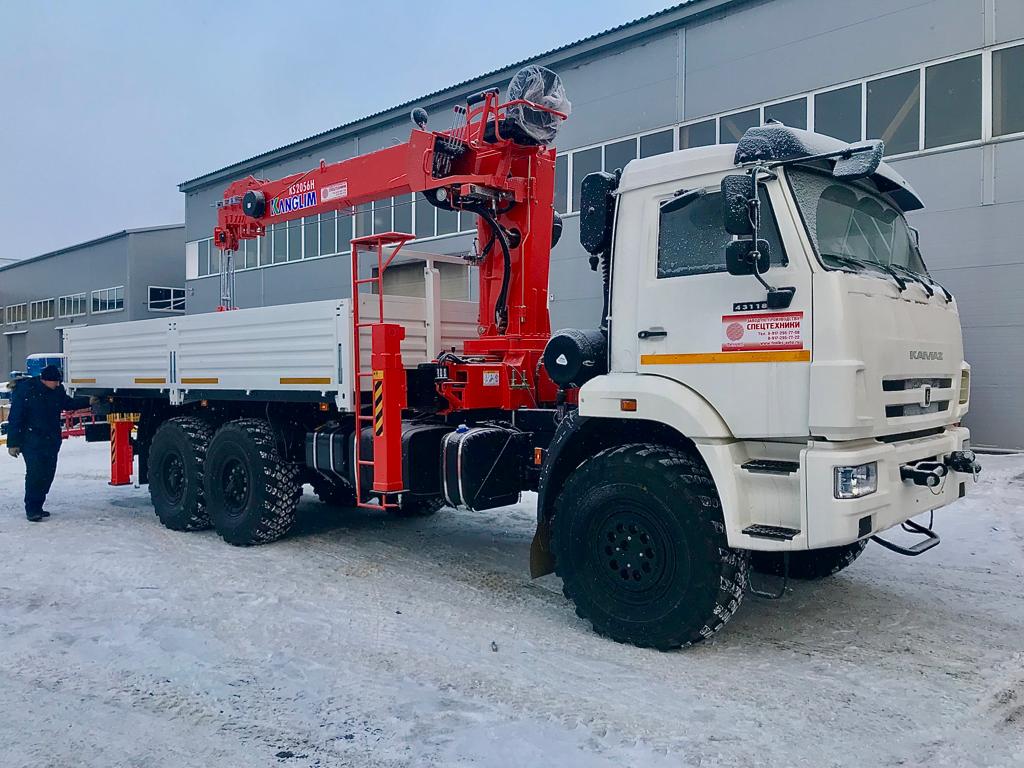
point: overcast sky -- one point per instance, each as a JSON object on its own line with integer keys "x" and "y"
{"x": 106, "y": 106}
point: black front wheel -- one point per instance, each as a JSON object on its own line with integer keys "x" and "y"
{"x": 640, "y": 546}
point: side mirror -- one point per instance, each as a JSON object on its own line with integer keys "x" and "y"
{"x": 739, "y": 258}
{"x": 597, "y": 211}
{"x": 862, "y": 163}
{"x": 735, "y": 205}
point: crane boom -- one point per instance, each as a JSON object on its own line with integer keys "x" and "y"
{"x": 480, "y": 167}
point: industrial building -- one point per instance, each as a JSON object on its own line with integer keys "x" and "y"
{"x": 940, "y": 81}
{"x": 129, "y": 275}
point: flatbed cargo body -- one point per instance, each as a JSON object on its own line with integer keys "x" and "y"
{"x": 286, "y": 352}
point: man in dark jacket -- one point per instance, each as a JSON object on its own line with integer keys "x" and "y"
{"x": 34, "y": 431}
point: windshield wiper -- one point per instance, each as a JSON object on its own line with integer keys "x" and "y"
{"x": 918, "y": 279}
{"x": 853, "y": 261}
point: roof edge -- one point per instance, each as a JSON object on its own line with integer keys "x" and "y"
{"x": 89, "y": 243}
{"x": 672, "y": 16}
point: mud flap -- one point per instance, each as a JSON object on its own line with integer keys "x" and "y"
{"x": 542, "y": 561}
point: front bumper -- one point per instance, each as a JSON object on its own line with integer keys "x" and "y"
{"x": 831, "y": 522}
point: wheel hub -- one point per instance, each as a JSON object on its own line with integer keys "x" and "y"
{"x": 235, "y": 482}
{"x": 631, "y": 551}
{"x": 174, "y": 477}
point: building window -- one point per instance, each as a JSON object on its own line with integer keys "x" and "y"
{"x": 166, "y": 299}
{"x": 294, "y": 230}
{"x": 692, "y": 240}
{"x": 732, "y": 127}
{"x": 73, "y": 305}
{"x": 250, "y": 253}
{"x": 702, "y": 134}
{"x": 1008, "y": 91}
{"x": 894, "y": 112}
{"x": 310, "y": 237}
{"x": 561, "y": 183}
{"x": 791, "y": 113}
{"x": 656, "y": 143}
{"x": 584, "y": 162}
{"x": 447, "y": 222}
{"x": 363, "y": 220}
{"x": 328, "y": 235}
{"x": 108, "y": 300}
{"x": 952, "y": 102}
{"x": 837, "y": 113}
{"x": 402, "y": 213}
{"x": 204, "y": 257}
{"x": 346, "y": 220}
{"x": 17, "y": 313}
{"x": 424, "y": 218}
{"x": 618, "y": 154}
{"x": 382, "y": 216}
{"x": 278, "y": 243}
{"x": 42, "y": 310}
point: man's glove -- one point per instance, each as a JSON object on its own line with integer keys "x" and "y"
{"x": 14, "y": 452}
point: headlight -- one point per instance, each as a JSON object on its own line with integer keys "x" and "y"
{"x": 965, "y": 386}
{"x": 854, "y": 482}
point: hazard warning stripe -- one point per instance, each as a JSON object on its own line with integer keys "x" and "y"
{"x": 775, "y": 356}
{"x": 378, "y": 407}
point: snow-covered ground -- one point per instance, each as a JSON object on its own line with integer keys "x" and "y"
{"x": 362, "y": 640}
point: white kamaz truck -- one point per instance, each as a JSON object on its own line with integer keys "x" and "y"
{"x": 774, "y": 381}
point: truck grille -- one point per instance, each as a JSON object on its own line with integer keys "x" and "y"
{"x": 913, "y": 409}
{"x": 899, "y": 385}
{"x": 907, "y": 396}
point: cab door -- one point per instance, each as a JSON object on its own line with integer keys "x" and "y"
{"x": 712, "y": 331}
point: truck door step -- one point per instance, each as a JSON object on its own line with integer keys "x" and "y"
{"x": 771, "y": 467}
{"x": 776, "y": 532}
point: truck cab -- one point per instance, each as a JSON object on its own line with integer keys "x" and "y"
{"x": 824, "y": 408}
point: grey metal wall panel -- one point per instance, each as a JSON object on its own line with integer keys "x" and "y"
{"x": 1008, "y": 21}
{"x": 631, "y": 91}
{"x": 764, "y": 51}
{"x": 930, "y": 176}
{"x": 155, "y": 257}
{"x": 996, "y": 355}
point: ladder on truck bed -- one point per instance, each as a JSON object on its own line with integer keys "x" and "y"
{"x": 386, "y": 373}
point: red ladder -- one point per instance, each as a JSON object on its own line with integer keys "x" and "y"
{"x": 377, "y": 243}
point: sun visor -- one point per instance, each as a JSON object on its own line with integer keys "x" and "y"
{"x": 776, "y": 141}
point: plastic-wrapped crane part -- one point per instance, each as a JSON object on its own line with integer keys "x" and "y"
{"x": 541, "y": 86}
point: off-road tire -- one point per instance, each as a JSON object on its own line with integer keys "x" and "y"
{"x": 640, "y": 546}
{"x": 333, "y": 494}
{"x": 177, "y": 458}
{"x": 811, "y": 564}
{"x": 251, "y": 492}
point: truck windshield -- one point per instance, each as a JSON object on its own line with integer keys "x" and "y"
{"x": 848, "y": 224}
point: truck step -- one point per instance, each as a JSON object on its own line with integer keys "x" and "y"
{"x": 771, "y": 532}
{"x": 771, "y": 467}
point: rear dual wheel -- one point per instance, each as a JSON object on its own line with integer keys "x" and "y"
{"x": 177, "y": 465}
{"x": 251, "y": 492}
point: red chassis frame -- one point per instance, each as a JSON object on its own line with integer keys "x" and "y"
{"x": 469, "y": 166}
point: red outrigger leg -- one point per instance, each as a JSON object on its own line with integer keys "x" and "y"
{"x": 122, "y": 457}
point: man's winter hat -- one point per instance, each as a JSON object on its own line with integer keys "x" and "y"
{"x": 51, "y": 373}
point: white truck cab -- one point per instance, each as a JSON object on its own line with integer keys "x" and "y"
{"x": 826, "y": 413}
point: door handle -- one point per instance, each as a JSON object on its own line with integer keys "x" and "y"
{"x": 652, "y": 333}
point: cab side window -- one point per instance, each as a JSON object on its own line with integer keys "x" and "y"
{"x": 692, "y": 239}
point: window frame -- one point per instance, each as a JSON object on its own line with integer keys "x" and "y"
{"x": 65, "y": 300}
{"x": 94, "y": 294}
{"x": 38, "y": 302}
{"x": 763, "y": 186}
{"x": 24, "y": 313}
{"x": 170, "y": 309}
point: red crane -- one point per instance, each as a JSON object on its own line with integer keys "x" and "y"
{"x": 491, "y": 164}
